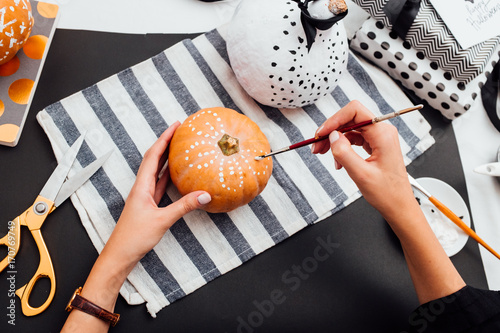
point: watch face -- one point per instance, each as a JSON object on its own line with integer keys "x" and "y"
{"x": 69, "y": 307}
{"x": 92, "y": 309}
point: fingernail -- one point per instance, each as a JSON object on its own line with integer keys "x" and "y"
{"x": 319, "y": 130}
{"x": 338, "y": 166}
{"x": 334, "y": 136}
{"x": 313, "y": 146}
{"x": 204, "y": 198}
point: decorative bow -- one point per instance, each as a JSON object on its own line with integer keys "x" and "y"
{"x": 490, "y": 94}
{"x": 401, "y": 14}
{"x": 311, "y": 24}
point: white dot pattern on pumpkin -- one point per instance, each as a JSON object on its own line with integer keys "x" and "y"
{"x": 214, "y": 150}
{"x": 16, "y": 20}
{"x": 229, "y": 166}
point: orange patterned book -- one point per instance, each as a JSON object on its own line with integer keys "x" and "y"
{"x": 19, "y": 76}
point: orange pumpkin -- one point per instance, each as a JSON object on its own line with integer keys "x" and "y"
{"x": 16, "y": 21}
{"x": 214, "y": 150}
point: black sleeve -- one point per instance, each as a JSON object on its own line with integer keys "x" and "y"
{"x": 467, "y": 310}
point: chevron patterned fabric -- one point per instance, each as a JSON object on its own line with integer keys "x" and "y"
{"x": 376, "y": 9}
{"x": 423, "y": 76}
{"x": 429, "y": 35}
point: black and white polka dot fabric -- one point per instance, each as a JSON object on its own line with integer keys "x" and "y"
{"x": 428, "y": 61}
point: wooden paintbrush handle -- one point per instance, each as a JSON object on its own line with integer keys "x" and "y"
{"x": 321, "y": 138}
{"x": 307, "y": 142}
{"x": 350, "y": 128}
{"x": 458, "y": 221}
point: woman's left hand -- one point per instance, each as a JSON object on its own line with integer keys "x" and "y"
{"x": 142, "y": 223}
{"x": 139, "y": 228}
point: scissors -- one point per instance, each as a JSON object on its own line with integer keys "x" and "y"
{"x": 56, "y": 191}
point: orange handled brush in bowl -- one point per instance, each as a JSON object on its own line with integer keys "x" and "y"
{"x": 452, "y": 216}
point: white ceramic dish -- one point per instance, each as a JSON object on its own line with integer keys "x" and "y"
{"x": 451, "y": 237}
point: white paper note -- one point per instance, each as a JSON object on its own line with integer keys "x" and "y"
{"x": 470, "y": 21}
{"x": 146, "y": 16}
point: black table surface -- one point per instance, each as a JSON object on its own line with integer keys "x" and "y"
{"x": 362, "y": 286}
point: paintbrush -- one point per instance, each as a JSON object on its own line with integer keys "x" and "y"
{"x": 343, "y": 130}
{"x": 452, "y": 216}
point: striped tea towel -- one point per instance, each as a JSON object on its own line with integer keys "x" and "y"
{"x": 128, "y": 111}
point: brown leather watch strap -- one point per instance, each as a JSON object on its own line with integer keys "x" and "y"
{"x": 83, "y": 304}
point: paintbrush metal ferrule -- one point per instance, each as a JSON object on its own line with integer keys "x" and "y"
{"x": 279, "y": 151}
{"x": 419, "y": 187}
{"x": 396, "y": 113}
{"x": 343, "y": 130}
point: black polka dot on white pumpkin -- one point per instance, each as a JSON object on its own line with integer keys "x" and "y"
{"x": 287, "y": 57}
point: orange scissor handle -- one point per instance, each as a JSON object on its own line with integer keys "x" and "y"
{"x": 45, "y": 270}
{"x": 33, "y": 218}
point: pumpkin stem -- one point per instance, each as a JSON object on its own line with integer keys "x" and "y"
{"x": 229, "y": 145}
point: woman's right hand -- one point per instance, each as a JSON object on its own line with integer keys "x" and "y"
{"x": 383, "y": 181}
{"x": 382, "y": 177}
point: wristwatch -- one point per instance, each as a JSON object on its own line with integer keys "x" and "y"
{"x": 81, "y": 303}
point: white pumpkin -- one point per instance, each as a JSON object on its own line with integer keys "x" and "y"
{"x": 267, "y": 49}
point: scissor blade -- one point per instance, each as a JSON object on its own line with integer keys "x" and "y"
{"x": 53, "y": 185}
{"x": 77, "y": 180}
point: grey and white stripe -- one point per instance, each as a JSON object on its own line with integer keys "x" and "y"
{"x": 128, "y": 111}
